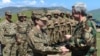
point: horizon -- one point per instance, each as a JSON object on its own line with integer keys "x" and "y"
{"x": 49, "y": 3}
{"x": 44, "y": 7}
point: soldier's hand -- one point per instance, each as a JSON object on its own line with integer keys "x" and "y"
{"x": 64, "y": 50}
{"x": 19, "y": 41}
{"x": 68, "y": 37}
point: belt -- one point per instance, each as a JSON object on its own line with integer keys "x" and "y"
{"x": 22, "y": 32}
{"x": 10, "y": 36}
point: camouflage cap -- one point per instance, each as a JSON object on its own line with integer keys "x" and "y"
{"x": 19, "y": 14}
{"x": 48, "y": 14}
{"x": 7, "y": 13}
{"x": 44, "y": 18}
{"x": 36, "y": 13}
{"x": 80, "y": 7}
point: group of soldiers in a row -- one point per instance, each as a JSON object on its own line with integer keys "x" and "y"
{"x": 14, "y": 35}
{"x": 46, "y": 34}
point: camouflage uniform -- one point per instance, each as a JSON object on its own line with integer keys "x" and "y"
{"x": 38, "y": 41}
{"x": 63, "y": 27}
{"x": 22, "y": 29}
{"x": 9, "y": 38}
{"x": 56, "y": 28}
{"x": 50, "y": 27}
{"x": 82, "y": 38}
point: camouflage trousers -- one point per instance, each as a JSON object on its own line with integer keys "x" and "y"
{"x": 22, "y": 47}
{"x": 10, "y": 48}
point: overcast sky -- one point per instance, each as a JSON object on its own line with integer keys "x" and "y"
{"x": 91, "y": 4}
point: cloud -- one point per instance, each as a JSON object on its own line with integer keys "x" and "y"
{"x": 33, "y": 2}
{"x": 6, "y": 1}
{"x": 42, "y": 1}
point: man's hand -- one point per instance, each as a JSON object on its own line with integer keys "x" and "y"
{"x": 64, "y": 50}
{"x": 68, "y": 37}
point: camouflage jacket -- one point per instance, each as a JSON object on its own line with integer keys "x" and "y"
{"x": 82, "y": 35}
{"x": 8, "y": 31}
{"x": 38, "y": 41}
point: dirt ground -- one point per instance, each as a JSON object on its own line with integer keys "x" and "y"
{"x": 67, "y": 54}
{"x": 98, "y": 29}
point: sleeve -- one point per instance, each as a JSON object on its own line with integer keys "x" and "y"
{"x": 37, "y": 44}
{"x": 1, "y": 34}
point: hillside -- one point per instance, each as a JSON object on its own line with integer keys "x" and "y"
{"x": 96, "y": 14}
{"x": 14, "y": 10}
{"x": 20, "y": 9}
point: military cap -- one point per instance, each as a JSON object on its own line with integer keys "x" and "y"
{"x": 48, "y": 14}
{"x": 7, "y": 13}
{"x": 36, "y": 13}
{"x": 19, "y": 14}
{"x": 44, "y": 18}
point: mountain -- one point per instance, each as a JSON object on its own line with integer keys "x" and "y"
{"x": 96, "y": 14}
{"x": 19, "y": 9}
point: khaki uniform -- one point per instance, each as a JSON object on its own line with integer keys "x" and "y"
{"x": 9, "y": 38}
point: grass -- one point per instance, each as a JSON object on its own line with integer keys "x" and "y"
{"x": 98, "y": 44}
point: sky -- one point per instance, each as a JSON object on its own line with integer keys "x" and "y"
{"x": 91, "y": 4}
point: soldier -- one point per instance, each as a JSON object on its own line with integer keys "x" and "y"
{"x": 56, "y": 22}
{"x": 9, "y": 35}
{"x": 93, "y": 25}
{"x": 50, "y": 27}
{"x": 39, "y": 39}
{"x": 82, "y": 38}
{"x": 22, "y": 29}
{"x": 63, "y": 26}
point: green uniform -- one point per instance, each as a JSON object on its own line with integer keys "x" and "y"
{"x": 9, "y": 38}
{"x": 82, "y": 40}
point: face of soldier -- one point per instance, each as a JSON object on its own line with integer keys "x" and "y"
{"x": 76, "y": 16}
{"x": 21, "y": 18}
{"x": 61, "y": 14}
{"x": 40, "y": 23}
{"x": 56, "y": 16}
{"x": 24, "y": 18}
{"x": 49, "y": 17}
{"x": 8, "y": 17}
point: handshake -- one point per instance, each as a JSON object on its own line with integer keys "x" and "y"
{"x": 63, "y": 49}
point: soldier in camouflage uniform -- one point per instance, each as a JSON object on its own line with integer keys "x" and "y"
{"x": 57, "y": 32}
{"x": 63, "y": 26}
{"x": 39, "y": 39}
{"x": 93, "y": 25}
{"x": 8, "y": 29}
{"x": 22, "y": 29}
{"x": 50, "y": 27}
{"x": 82, "y": 38}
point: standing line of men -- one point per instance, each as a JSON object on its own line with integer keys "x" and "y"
{"x": 43, "y": 35}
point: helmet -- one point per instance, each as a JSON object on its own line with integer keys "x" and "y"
{"x": 80, "y": 7}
